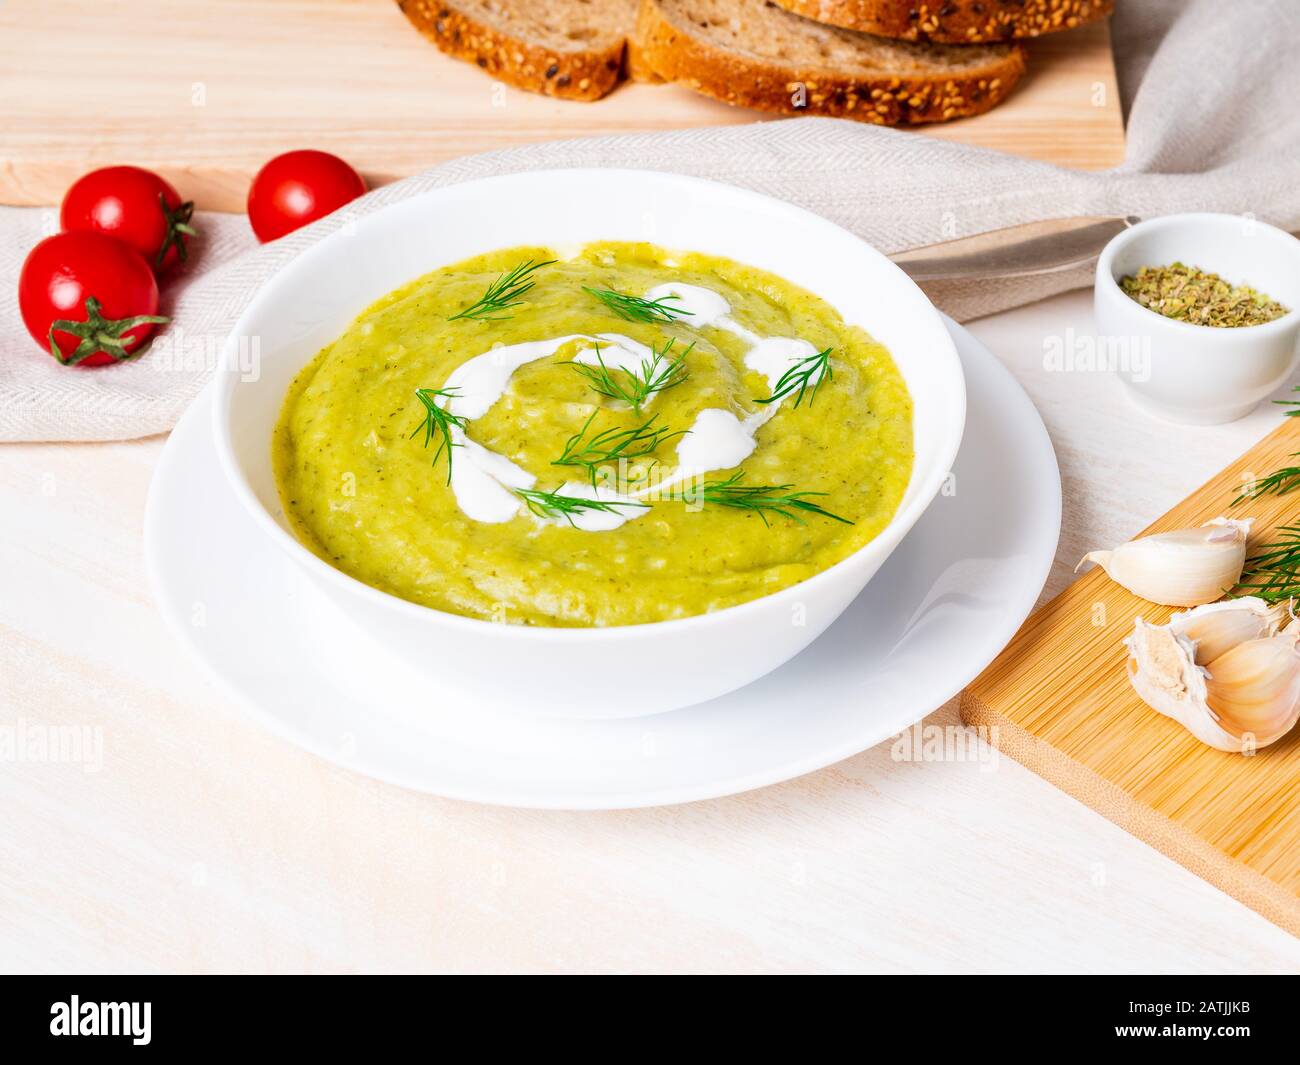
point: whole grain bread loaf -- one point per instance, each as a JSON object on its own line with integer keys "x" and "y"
{"x": 953, "y": 21}
{"x": 568, "y": 48}
{"x": 754, "y": 54}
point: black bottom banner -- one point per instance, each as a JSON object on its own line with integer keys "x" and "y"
{"x": 209, "y": 1013}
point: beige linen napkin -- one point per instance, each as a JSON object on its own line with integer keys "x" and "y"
{"x": 1213, "y": 125}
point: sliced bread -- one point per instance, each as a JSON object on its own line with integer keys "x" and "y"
{"x": 953, "y": 21}
{"x": 568, "y": 48}
{"x": 754, "y": 54}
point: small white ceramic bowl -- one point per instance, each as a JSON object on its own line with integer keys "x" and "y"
{"x": 609, "y": 672}
{"x": 1195, "y": 374}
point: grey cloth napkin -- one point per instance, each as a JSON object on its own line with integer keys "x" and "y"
{"x": 1211, "y": 92}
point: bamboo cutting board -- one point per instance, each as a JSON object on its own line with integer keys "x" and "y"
{"x": 1060, "y": 703}
{"x": 206, "y": 92}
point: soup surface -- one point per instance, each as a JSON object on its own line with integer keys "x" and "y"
{"x": 635, "y": 436}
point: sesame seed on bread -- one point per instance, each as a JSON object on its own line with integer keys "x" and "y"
{"x": 752, "y": 53}
{"x": 953, "y": 21}
{"x": 568, "y": 48}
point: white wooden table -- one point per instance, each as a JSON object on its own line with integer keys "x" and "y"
{"x": 203, "y": 843}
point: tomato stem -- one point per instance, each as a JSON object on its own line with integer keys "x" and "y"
{"x": 178, "y": 228}
{"x": 98, "y": 333}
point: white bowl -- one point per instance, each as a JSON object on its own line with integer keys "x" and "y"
{"x": 627, "y": 670}
{"x": 1196, "y": 374}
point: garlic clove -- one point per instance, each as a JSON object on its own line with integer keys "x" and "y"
{"x": 1216, "y": 628}
{"x": 1185, "y": 567}
{"x": 1254, "y": 689}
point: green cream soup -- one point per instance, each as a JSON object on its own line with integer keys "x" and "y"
{"x": 611, "y": 460}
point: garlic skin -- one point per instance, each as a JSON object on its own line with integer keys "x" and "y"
{"x": 1164, "y": 673}
{"x": 1223, "y": 671}
{"x": 1186, "y": 567}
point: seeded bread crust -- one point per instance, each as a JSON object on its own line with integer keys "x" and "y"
{"x": 679, "y": 50}
{"x": 953, "y": 21}
{"x": 583, "y": 73}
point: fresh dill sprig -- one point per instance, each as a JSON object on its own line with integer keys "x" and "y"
{"x": 799, "y": 376}
{"x": 557, "y": 505}
{"x": 760, "y": 499}
{"x": 1292, "y": 403}
{"x": 1273, "y": 572}
{"x": 506, "y": 292}
{"x": 634, "y": 387}
{"x": 1276, "y": 483}
{"x": 611, "y": 445}
{"x": 638, "y": 308}
{"x": 438, "y": 420}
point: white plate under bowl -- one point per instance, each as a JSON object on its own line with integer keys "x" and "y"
{"x": 947, "y": 600}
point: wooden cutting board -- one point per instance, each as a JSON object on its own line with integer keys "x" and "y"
{"x": 206, "y": 92}
{"x": 1059, "y": 701}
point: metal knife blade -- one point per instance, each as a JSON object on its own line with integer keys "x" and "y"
{"x": 1017, "y": 251}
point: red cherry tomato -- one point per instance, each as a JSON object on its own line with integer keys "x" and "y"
{"x": 299, "y": 187}
{"x": 135, "y": 206}
{"x": 87, "y": 298}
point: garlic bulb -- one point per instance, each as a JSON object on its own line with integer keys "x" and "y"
{"x": 1223, "y": 671}
{"x": 1187, "y": 567}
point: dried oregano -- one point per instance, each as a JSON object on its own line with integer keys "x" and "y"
{"x": 1192, "y": 295}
